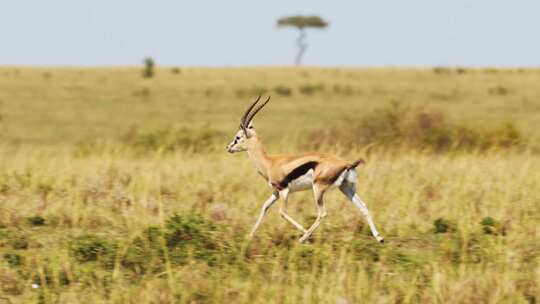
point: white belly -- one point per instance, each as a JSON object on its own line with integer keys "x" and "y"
{"x": 303, "y": 182}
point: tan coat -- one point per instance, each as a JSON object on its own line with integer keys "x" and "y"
{"x": 279, "y": 170}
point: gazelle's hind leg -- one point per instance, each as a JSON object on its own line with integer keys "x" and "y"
{"x": 349, "y": 190}
{"x": 283, "y": 210}
{"x": 318, "y": 192}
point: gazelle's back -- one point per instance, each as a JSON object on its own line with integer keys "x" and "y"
{"x": 299, "y": 172}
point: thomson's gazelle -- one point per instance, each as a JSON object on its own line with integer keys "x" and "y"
{"x": 291, "y": 173}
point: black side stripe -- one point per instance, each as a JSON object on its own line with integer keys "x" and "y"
{"x": 297, "y": 172}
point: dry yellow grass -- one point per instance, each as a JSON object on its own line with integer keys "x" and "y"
{"x": 44, "y": 105}
{"x": 113, "y": 192}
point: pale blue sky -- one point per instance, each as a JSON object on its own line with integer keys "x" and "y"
{"x": 243, "y": 32}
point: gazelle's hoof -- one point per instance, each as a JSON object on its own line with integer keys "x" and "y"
{"x": 380, "y": 239}
{"x": 303, "y": 238}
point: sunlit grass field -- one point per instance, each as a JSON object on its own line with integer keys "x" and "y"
{"x": 118, "y": 189}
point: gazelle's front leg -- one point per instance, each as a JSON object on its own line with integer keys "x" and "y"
{"x": 318, "y": 192}
{"x": 264, "y": 208}
{"x": 283, "y": 208}
{"x": 350, "y": 191}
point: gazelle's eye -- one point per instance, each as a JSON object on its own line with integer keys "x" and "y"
{"x": 237, "y": 137}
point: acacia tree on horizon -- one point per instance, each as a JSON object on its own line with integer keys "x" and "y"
{"x": 302, "y": 23}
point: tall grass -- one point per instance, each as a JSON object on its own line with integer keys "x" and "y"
{"x": 124, "y": 228}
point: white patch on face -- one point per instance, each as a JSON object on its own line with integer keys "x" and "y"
{"x": 303, "y": 182}
{"x": 236, "y": 144}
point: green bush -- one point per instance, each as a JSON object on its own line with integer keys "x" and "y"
{"x": 182, "y": 237}
{"x": 36, "y": 220}
{"x": 13, "y": 259}
{"x": 490, "y": 225}
{"x": 189, "y": 229}
{"x": 442, "y": 225}
{"x": 199, "y": 236}
{"x": 145, "y": 252}
{"x": 92, "y": 248}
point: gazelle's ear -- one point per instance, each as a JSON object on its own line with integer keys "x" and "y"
{"x": 250, "y": 126}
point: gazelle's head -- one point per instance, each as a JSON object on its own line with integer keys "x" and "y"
{"x": 246, "y": 131}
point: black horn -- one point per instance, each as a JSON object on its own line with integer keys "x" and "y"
{"x": 243, "y": 119}
{"x": 257, "y": 109}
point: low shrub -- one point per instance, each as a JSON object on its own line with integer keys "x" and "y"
{"x": 36, "y": 220}
{"x": 195, "y": 233}
{"x": 283, "y": 90}
{"x": 442, "y": 225}
{"x": 420, "y": 129}
{"x": 491, "y": 226}
{"x": 441, "y": 70}
{"x": 173, "y": 139}
{"x": 498, "y": 90}
{"x": 13, "y": 259}
{"x": 182, "y": 237}
{"x": 145, "y": 252}
{"x": 93, "y": 248}
{"x": 310, "y": 89}
{"x": 250, "y": 92}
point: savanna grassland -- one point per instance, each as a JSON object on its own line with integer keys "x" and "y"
{"x": 117, "y": 189}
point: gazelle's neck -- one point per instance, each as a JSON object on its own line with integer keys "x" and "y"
{"x": 258, "y": 156}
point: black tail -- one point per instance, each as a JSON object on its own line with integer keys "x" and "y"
{"x": 356, "y": 163}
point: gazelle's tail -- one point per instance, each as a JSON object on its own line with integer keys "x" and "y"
{"x": 356, "y": 163}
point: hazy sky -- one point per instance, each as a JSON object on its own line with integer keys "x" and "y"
{"x": 234, "y": 32}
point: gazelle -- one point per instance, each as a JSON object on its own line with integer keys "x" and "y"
{"x": 291, "y": 173}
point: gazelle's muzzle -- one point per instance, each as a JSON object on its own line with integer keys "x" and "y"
{"x": 230, "y": 148}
